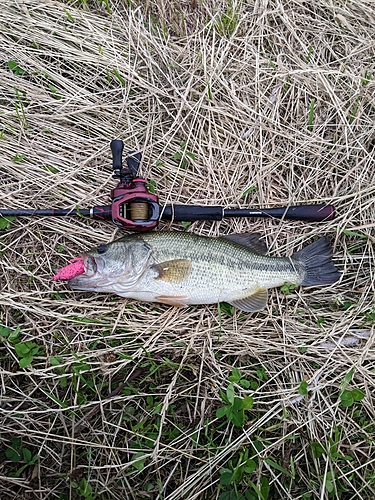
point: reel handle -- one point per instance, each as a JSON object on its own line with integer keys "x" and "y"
{"x": 117, "y": 147}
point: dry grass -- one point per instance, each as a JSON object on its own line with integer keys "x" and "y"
{"x": 236, "y": 81}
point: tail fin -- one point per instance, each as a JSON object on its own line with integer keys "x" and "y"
{"x": 315, "y": 260}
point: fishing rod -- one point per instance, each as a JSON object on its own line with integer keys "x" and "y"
{"x": 134, "y": 208}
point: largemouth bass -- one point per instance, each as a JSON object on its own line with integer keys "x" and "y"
{"x": 179, "y": 268}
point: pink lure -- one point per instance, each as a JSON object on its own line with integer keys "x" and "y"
{"x": 73, "y": 269}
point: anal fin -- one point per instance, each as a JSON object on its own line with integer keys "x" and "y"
{"x": 172, "y": 300}
{"x": 254, "y": 302}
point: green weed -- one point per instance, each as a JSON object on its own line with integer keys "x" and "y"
{"x": 69, "y": 16}
{"x": 288, "y": 287}
{"x": 119, "y": 77}
{"x": 11, "y": 335}
{"x": 54, "y": 92}
{"x": 20, "y": 103}
{"x": 56, "y": 361}
{"x": 84, "y": 489}
{"x": 238, "y": 476}
{"x": 151, "y": 186}
{"x": 17, "y": 453}
{"x": 16, "y": 69}
{"x": 182, "y": 156}
{"x": 235, "y": 407}
{"x": 247, "y": 383}
{"x": 18, "y": 158}
{"x": 311, "y": 115}
{"x": 5, "y": 222}
{"x": 303, "y": 388}
{"x": 251, "y": 189}
{"x": 26, "y": 352}
{"x": 348, "y": 398}
{"x": 228, "y": 21}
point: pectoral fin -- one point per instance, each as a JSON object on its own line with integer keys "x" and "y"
{"x": 173, "y": 271}
{"x": 254, "y": 302}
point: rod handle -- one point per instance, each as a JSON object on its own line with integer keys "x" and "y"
{"x": 192, "y": 212}
{"x": 310, "y": 213}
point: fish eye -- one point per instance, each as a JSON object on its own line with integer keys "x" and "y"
{"x": 102, "y": 248}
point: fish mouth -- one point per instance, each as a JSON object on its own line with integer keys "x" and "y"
{"x": 91, "y": 270}
{"x": 90, "y": 265}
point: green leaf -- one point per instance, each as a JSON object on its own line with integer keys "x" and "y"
{"x": 257, "y": 490}
{"x": 13, "y": 66}
{"x": 357, "y": 394}
{"x": 220, "y": 412}
{"x": 247, "y": 403}
{"x": 54, "y": 91}
{"x": 23, "y": 362}
{"x": 303, "y": 388}
{"x": 250, "y": 495}
{"x": 347, "y": 379}
{"x": 22, "y": 349}
{"x": 237, "y": 418}
{"x": 258, "y": 446}
{"x": 287, "y": 287}
{"x": 139, "y": 464}
{"x": 223, "y": 396}
{"x": 226, "y": 478}
{"x": 151, "y": 185}
{"x": 347, "y": 398}
{"x": 4, "y": 331}
{"x": 14, "y": 336}
{"x": 245, "y": 383}
{"x": 18, "y": 158}
{"x": 69, "y": 16}
{"x": 14, "y": 451}
{"x": 329, "y": 486}
{"x": 230, "y": 393}
{"x": 55, "y": 361}
{"x": 235, "y": 376}
{"x": 251, "y": 189}
{"x": 177, "y": 156}
{"x": 264, "y": 487}
{"x": 237, "y": 404}
{"x": 317, "y": 449}
{"x": 228, "y": 495}
{"x": 250, "y": 466}
{"x": 276, "y": 466}
{"x": 5, "y": 222}
{"x": 227, "y": 308}
{"x": 26, "y": 455}
{"x": 347, "y": 232}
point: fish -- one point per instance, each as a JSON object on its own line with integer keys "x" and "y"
{"x": 181, "y": 269}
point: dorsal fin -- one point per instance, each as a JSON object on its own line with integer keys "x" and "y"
{"x": 251, "y": 241}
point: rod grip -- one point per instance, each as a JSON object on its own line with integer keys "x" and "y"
{"x": 310, "y": 213}
{"x": 192, "y": 212}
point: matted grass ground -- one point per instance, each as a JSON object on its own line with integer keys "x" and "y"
{"x": 103, "y": 397}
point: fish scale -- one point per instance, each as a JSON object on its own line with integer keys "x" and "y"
{"x": 181, "y": 268}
